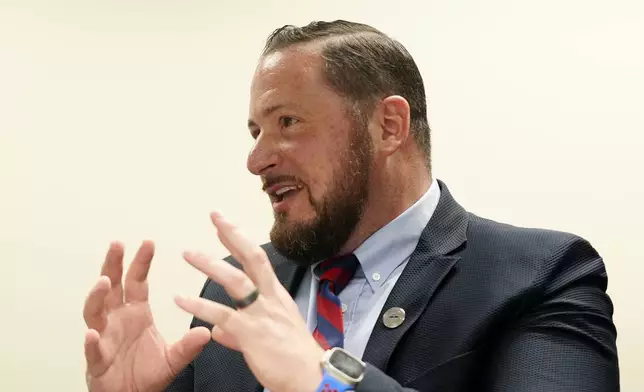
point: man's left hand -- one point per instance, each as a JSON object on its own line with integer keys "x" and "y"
{"x": 270, "y": 332}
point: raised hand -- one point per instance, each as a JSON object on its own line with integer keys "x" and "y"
{"x": 123, "y": 349}
{"x": 267, "y": 328}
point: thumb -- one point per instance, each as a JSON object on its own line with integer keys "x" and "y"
{"x": 94, "y": 354}
{"x": 185, "y": 350}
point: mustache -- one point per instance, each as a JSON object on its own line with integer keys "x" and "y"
{"x": 269, "y": 181}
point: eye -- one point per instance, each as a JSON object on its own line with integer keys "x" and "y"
{"x": 286, "y": 121}
{"x": 254, "y": 133}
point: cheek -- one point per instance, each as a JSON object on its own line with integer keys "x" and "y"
{"x": 318, "y": 161}
{"x": 322, "y": 177}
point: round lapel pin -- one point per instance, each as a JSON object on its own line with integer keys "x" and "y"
{"x": 393, "y": 317}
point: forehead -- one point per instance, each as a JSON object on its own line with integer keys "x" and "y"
{"x": 291, "y": 76}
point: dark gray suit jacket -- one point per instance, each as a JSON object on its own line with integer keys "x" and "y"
{"x": 490, "y": 307}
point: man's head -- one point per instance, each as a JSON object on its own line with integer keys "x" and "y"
{"x": 334, "y": 108}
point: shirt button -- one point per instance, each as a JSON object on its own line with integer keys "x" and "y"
{"x": 376, "y": 276}
{"x": 344, "y": 308}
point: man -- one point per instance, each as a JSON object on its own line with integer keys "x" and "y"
{"x": 375, "y": 278}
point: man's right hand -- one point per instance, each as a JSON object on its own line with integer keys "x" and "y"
{"x": 123, "y": 348}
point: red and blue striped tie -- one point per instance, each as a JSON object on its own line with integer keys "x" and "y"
{"x": 334, "y": 274}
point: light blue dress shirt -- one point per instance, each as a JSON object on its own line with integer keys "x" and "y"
{"x": 382, "y": 258}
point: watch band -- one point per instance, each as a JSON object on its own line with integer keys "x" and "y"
{"x": 332, "y": 384}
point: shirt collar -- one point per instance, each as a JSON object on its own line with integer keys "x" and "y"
{"x": 381, "y": 253}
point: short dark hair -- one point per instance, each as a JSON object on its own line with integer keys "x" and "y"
{"x": 363, "y": 65}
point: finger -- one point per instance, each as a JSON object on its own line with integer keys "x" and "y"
{"x": 94, "y": 310}
{"x": 136, "y": 280}
{"x": 252, "y": 257}
{"x": 94, "y": 353}
{"x": 185, "y": 350}
{"x": 113, "y": 269}
{"x": 232, "y": 279}
{"x": 210, "y": 312}
{"x": 225, "y": 339}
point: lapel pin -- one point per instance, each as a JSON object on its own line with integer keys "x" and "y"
{"x": 393, "y": 317}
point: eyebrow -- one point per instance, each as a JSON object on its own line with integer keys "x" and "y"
{"x": 266, "y": 112}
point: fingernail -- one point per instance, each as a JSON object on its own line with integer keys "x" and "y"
{"x": 218, "y": 216}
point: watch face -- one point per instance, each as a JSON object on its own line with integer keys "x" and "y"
{"x": 346, "y": 364}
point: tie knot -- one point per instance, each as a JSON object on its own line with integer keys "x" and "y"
{"x": 338, "y": 271}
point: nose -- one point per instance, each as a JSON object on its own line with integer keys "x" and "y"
{"x": 263, "y": 156}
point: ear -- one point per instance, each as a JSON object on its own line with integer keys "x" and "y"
{"x": 394, "y": 119}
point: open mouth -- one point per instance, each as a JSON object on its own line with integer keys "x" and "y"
{"x": 282, "y": 193}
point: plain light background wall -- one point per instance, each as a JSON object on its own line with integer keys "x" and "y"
{"x": 126, "y": 120}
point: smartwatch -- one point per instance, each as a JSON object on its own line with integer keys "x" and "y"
{"x": 341, "y": 371}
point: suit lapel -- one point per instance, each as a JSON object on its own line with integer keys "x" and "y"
{"x": 288, "y": 273}
{"x": 428, "y": 266}
{"x": 418, "y": 281}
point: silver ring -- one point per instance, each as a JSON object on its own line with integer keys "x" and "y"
{"x": 247, "y": 300}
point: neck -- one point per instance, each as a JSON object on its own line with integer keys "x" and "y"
{"x": 390, "y": 194}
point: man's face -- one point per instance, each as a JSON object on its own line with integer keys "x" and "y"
{"x": 313, "y": 156}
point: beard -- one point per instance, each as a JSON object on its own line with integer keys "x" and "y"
{"x": 337, "y": 214}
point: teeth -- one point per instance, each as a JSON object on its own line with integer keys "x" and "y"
{"x": 282, "y": 191}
